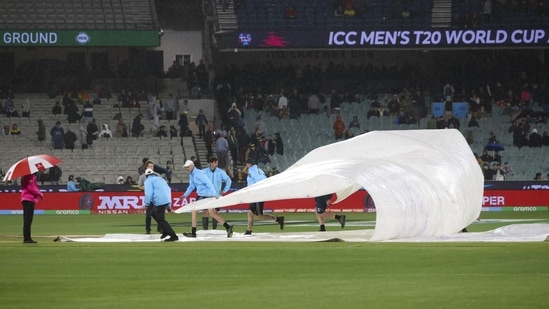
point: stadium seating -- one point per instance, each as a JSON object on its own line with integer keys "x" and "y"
{"x": 106, "y": 159}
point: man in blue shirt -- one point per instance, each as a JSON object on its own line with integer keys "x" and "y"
{"x": 71, "y": 186}
{"x": 204, "y": 189}
{"x": 159, "y": 196}
{"x": 256, "y": 174}
{"x": 217, "y": 176}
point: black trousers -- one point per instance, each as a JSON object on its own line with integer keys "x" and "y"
{"x": 148, "y": 214}
{"x": 28, "y": 215}
{"x": 159, "y": 215}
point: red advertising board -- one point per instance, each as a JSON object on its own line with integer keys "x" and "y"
{"x": 122, "y": 202}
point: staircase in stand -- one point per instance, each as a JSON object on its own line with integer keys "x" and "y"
{"x": 441, "y": 14}
{"x": 226, "y": 20}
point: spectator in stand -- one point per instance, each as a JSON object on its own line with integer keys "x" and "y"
{"x": 232, "y": 139}
{"x": 57, "y": 136}
{"x": 71, "y": 110}
{"x": 453, "y": 123}
{"x": 11, "y": 112}
{"x": 313, "y": 103}
{"x": 83, "y": 138}
{"x": 545, "y": 138}
{"x": 129, "y": 181}
{"x": 121, "y": 128}
{"x": 162, "y": 132}
{"x": 173, "y": 132}
{"x": 201, "y": 122}
{"x": 26, "y": 107}
{"x": 499, "y": 174}
{"x": 69, "y": 139}
{"x": 222, "y": 151}
{"x": 506, "y": 168}
{"x": 71, "y": 185}
{"x": 535, "y": 139}
{"x": 279, "y": 144}
{"x": 338, "y": 127}
{"x": 87, "y": 113}
{"x": 354, "y": 123}
{"x": 282, "y": 102}
{"x": 284, "y": 112}
{"x": 15, "y": 130}
{"x": 137, "y": 126}
{"x": 487, "y": 171}
{"x": 209, "y": 141}
{"x": 41, "y": 130}
{"x": 170, "y": 107}
{"x": 105, "y": 132}
{"x": 55, "y": 174}
{"x": 486, "y": 157}
{"x": 93, "y": 132}
{"x": 473, "y": 122}
{"x": 56, "y": 109}
{"x": 538, "y": 176}
{"x": 394, "y": 106}
{"x": 335, "y": 101}
{"x": 496, "y": 157}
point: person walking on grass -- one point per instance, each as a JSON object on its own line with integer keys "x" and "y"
{"x": 204, "y": 189}
{"x": 217, "y": 176}
{"x": 321, "y": 204}
{"x": 158, "y": 196}
{"x": 255, "y": 174}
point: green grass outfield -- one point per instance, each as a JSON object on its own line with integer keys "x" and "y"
{"x": 265, "y": 275}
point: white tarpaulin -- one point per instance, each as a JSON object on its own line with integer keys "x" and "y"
{"x": 423, "y": 182}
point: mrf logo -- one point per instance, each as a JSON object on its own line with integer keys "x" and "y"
{"x": 121, "y": 202}
{"x": 128, "y": 202}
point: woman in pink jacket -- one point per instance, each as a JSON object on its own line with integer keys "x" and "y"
{"x": 29, "y": 196}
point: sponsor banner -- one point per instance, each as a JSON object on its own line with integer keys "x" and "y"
{"x": 525, "y": 208}
{"x": 129, "y": 202}
{"x": 67, "y": 212}
{"x": 511, "y": 198}
{"x": 394, "y": 39}
{"x": 79, "y": 38}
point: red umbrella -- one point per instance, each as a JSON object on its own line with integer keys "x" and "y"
{"x": 31, "y": 165}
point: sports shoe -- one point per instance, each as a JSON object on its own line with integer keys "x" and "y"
{"x": 342, "y": 220}
{"x": 174, "y": 238}
{"x": 29, "y": 241}
{"x": 189, "y": 234}
{"x": 248, "y": 233}
{"x": 230, "y": 231}
{"x": 280, "y": 221}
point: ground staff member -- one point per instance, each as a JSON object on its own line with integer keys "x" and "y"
{"x": 204, "y": 189}
{"x": 217, "y": 176}
{"x": 159, "y": 196}
{"x": 256, "y": 174}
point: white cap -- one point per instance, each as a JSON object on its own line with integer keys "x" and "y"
{"x": 188, "y": 163}
{"x": 149, "y": 171}
{"x": 120, "y": 178}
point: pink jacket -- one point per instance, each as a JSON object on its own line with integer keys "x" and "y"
{"x": 29, "y": 189}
